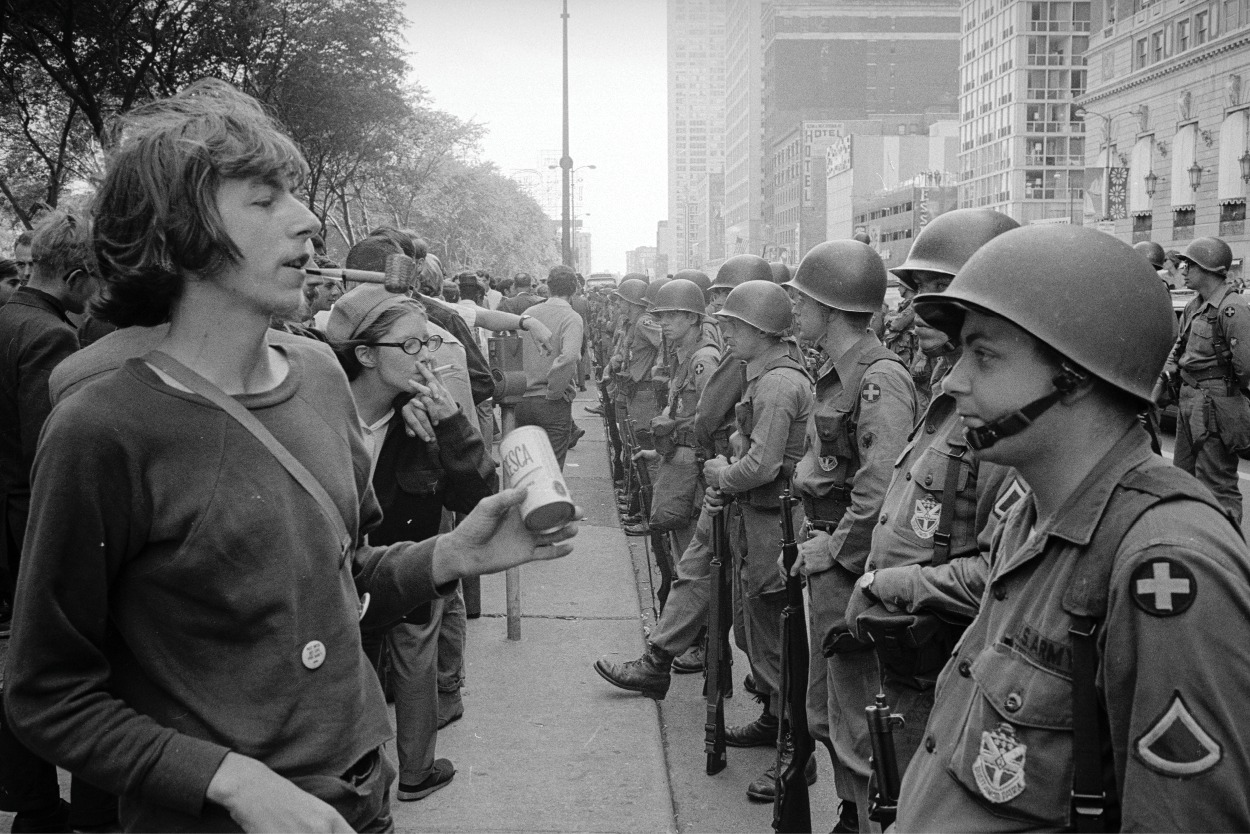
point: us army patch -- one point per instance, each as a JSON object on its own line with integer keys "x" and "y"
{"x": 870, "y": 393}
{"x": 924, "y": 521}
{"x": 867, "y": 439}
{"x": 828, "y": 463}
{"x": 1163, "y": 587}
{"x": 1175, "y": 745}
{"x": 1008, "y": 498}
{"x": 999, "y": 767}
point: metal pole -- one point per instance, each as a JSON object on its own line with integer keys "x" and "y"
{"x": 512, "y": 576}
{"x": 566, "y": 161}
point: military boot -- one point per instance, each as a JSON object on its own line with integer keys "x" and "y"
{"x": 764, "y": 788}
{"x": 762, "y": 732}
{"x": 648, "y": 674}
{"x": 848, "y": 818}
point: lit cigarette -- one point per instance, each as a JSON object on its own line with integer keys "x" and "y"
{"x": 441, "y": 368}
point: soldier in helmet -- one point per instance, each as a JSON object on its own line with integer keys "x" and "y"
{"x": 673, "y": 645}
{"x": 865, "y": 407}
{"x": 1212, "y": 359}
{"x": 1157, "y": 258}
{"x": 711, "y": 332}
{"x": 939, "y": 510}
{"x": 634, "y": 358}
{"x": 1099, "y": 686}
{"x": 771, "y": 420}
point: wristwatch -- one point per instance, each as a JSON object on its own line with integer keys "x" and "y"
{"x": 865, "y": 586}
{"x": 521, "y": 323}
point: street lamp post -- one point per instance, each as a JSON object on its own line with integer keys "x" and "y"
{"x": 570, "y": 206}
{"x": 566, "y": 161}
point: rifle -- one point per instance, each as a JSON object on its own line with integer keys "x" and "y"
{"x": 659, "y": 538}
{"x": 791, "y": 804}
{"x": 719, "y": 660}
{"x": 884, "y": 785}
{"x": 613, "y": 435}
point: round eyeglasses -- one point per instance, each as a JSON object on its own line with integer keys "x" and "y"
{"x": 413, "y": 346}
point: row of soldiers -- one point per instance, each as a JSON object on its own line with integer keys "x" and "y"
{"x": 1033, "y": 590}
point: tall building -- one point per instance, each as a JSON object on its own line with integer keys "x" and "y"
{"x": 641, "y": 260}
{"x": 708, "y": 223}
{"x": 798, "y": 189}
{"x": 744, "y": 170}
{"x": 1167, "y": 110}
{"x": 696, "y": 112}
{"x": 1022, "y": 145}
{"x": 839, "y": 60}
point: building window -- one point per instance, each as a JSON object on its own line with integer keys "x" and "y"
{"x": 1142, "y": 53}
{"x": 1183, "y": 224}
{"x": 1202, "y": 26}
{"x": 1143, "y": 225}
{"x": 1233, "y": 219}
{"x": 1182, "y": 35}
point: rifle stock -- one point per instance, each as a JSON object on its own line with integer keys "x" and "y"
{"x": 717, "y": 647}
{"x": 791, "y": 802}
{"x": 885, "y": 786}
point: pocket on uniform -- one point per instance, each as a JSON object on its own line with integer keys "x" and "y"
{"x": 831, "y": 429}
{"x": 1015, "y": 747}
{"x": 922, "y": 515}
{"x": 1232, "y": 420}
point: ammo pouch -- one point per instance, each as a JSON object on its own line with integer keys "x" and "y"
{"x": 830, "y": 593}
{"x": 664, "y": 432}
{"x": 912, "y": 648}
{"x": 1232, "y": 421}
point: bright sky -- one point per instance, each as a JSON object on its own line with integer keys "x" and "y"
{"x": 498, "y": 62}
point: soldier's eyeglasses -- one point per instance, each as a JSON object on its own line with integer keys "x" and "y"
{"x": 1182, "y": 266}
{"x": 413, "y": 346}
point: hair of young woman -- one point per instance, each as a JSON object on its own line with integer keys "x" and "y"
{"x": 376, "y": 331}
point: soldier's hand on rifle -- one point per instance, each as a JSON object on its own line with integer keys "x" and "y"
{"x": 814, "y": 555}
{"x": 712, "y": 469}
{"x": 863, "y": 600}
{"x": 646, "y": 454}
{"x": 714, "y": 500}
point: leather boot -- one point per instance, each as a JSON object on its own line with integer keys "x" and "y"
{"x": 648, "y": 674}
{"x": 848, "y": 818}
{"x": 764, "y": 788}
{"x": 689, "y": 661}
{"x": 762, "y": 732}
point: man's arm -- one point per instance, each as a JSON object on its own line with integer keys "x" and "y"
{"x": 780, "y": 399}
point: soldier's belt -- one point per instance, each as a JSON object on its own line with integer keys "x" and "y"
{"x": 828, "y": 509}
{"x": 1196, "y": 380}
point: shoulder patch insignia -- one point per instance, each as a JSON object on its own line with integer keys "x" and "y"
{"x": 867, "y": 439}
{"x": 999, "y": 767}
{"x": 1176, "y": 745}
{"x": 924, "y": 521}
{"x": 870, "y": 393}
{"x": 699, "y": 368}
{"x": 1229, "y": 312}
{"x": 1163, "y": 587}
{"x": 1008, "y": 498}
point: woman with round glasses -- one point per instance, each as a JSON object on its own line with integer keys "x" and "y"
{"x": 383, "y": 343}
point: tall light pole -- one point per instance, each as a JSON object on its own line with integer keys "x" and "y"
{"x": 570, "y": 184}
{"x": 566, "y": 161}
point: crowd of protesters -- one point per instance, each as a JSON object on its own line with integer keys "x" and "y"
{"x": 221, "y": 477}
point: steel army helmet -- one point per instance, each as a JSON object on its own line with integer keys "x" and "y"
{"x": 679, "y": 295}
{"x": 698, "y": 276}
{"x": 761, "y": 304}
{"x": 1083, "y": 293}
{"x": 949, "y": 240}
{"x": 1210, "y": 253}
{"x": 742, "y": 268}
{"x": 843, "y": 274}
{"x": 633, "y": 291}
{"x": 781, "y": 272}
{"x": 653, "y": 290}
{"x": 1152, "y": 252}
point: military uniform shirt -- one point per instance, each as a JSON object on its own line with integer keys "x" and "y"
{"x": 642, "y": 343}
{"x": 780, "y": 401}
{"x": 693, "y": 367}
{"x": 887, "y": 412}
{"x": 1198, "y": 358}
{"x": 1172, "y": 674}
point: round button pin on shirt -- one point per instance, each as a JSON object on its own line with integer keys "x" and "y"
{"x": 314, "y": 654}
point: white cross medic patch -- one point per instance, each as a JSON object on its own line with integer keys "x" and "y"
{"x": 999, "y": 767}
{"x": 924, "y": 521}
{"x": 1175, "y": 745}
{"x": 1163, "y": 587}
{"x": 870, "y": 393}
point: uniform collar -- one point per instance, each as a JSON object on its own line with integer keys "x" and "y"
{"x": 1084, "y": 509}
{"x": 756, "y": 366}
{"x": 845, "y": 364}
{"x": 1217, "y": 299}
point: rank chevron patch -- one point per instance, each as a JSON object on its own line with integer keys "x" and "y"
{"x": 1175, "y": 744}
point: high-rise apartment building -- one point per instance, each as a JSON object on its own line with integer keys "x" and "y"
{"x": 1167, "y": 111}
{"x": 641, "y": 260}
{"x": 1022, "y": 145}
{"x": 744, "y": 170}
{"x": 696, "y": 113}
{"x": 843, "y": 60}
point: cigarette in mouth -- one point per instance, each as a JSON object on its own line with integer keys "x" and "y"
{"x": 441, "y": 368}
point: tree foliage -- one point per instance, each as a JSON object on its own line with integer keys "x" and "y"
{"x": 334, "y": 72}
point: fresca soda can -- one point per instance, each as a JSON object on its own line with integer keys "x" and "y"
{"x": 529, "y": 461}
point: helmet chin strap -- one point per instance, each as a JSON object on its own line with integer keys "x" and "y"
{"x": 983, "y": 437}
